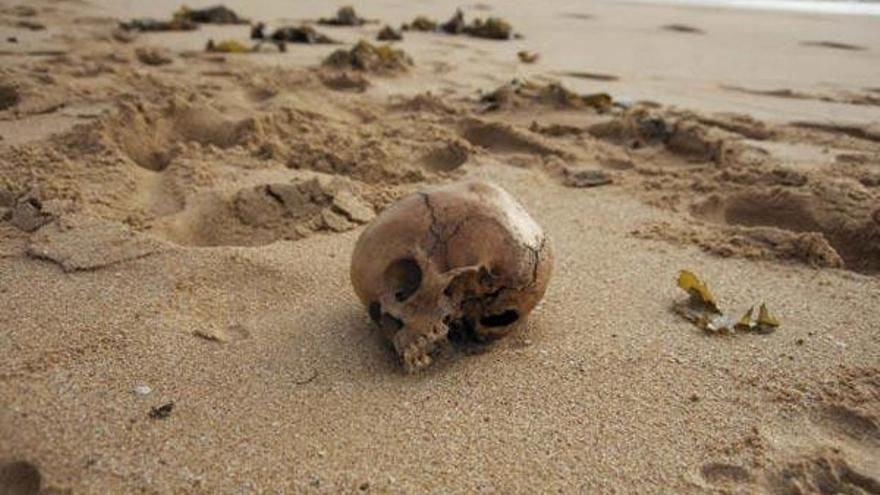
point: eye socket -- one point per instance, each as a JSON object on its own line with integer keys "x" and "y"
{"x": 500, "y": 320}
{"x": 375, "y": 312}
{"x": 403, "y": 277}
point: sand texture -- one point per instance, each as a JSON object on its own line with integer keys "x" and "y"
{"x": 176, "y": 227}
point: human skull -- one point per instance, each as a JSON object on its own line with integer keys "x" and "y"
{"x": 460, "y": 261}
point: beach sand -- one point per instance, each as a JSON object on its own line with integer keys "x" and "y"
{"x": 169, "y": 234}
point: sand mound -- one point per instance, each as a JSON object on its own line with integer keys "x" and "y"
{"x": 503, "y": 137}
{"x": 519, "y": 94}
{"x": 268, "y": 212}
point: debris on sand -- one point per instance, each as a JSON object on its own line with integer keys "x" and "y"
{"x": 702, "y": 309}
{"x": 420, "y": 23}
{"x": 455, "y": 25}
{"x": 527, "y": 57}
{"x": 291, "y": 34}
{"x": 585, "y": 178}
{"x": 345, "y": 16}
{"x": 162, "y": 412}
{"x": 518, "y": 93}
{"x": 226, "y": 46}
{"x": 388, "y": 33}
{"x": 368, "y": 57}
{"x": 153, "y": 56}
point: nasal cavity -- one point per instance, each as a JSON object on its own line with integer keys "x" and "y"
{"x": 500, "y": 320}
{"x": 403, "y": 277}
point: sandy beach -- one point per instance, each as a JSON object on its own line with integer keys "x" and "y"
{"x": 177, "y": 225}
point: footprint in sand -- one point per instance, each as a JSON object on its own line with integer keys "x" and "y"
{"x": 857, "y": 425}
{"x": 593, "y": 76}
{"x": 823, "y": 472}
{"x": 792, "y": 218}
{"x": 723, "y": 473}
{"x": 682, "y": 28}
{"x": 576, "y": 15}
{"x": 834, "y": 44}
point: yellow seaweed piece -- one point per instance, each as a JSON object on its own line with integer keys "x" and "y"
{"x": 745, "y": 321}
{"x": 765, "y": 318}
{"x": 527, "y": 57}
{"x": 698, "y": 290}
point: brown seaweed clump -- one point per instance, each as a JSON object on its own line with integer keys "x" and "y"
{"x": 186, "y": 19}
{"x": 217, "y": 14}
{"x": 388, "y": 33}
{"x": 291, "y": 34}
{"x": 420, "y": 23}
{"x": 345, "y": 16}
{"x": 147, "y": 24}
{"x": 368, "y": 57}
{"x": 455, "y": 25}
{"x": 493, "y": 28}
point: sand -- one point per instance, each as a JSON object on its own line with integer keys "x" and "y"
{"x": 181, "y": 232}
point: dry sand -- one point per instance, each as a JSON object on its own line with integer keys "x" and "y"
{"x": 179, "y": 227}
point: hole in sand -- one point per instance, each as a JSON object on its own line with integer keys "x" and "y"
{"x": 403, "y": 277}
{"x": 19, "y": 478}
{"x": 852, "y": 423}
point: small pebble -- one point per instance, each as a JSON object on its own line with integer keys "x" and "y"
{"x": 142, "y": 390}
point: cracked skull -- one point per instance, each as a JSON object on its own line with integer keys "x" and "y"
{"x": 461, "y": 262}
